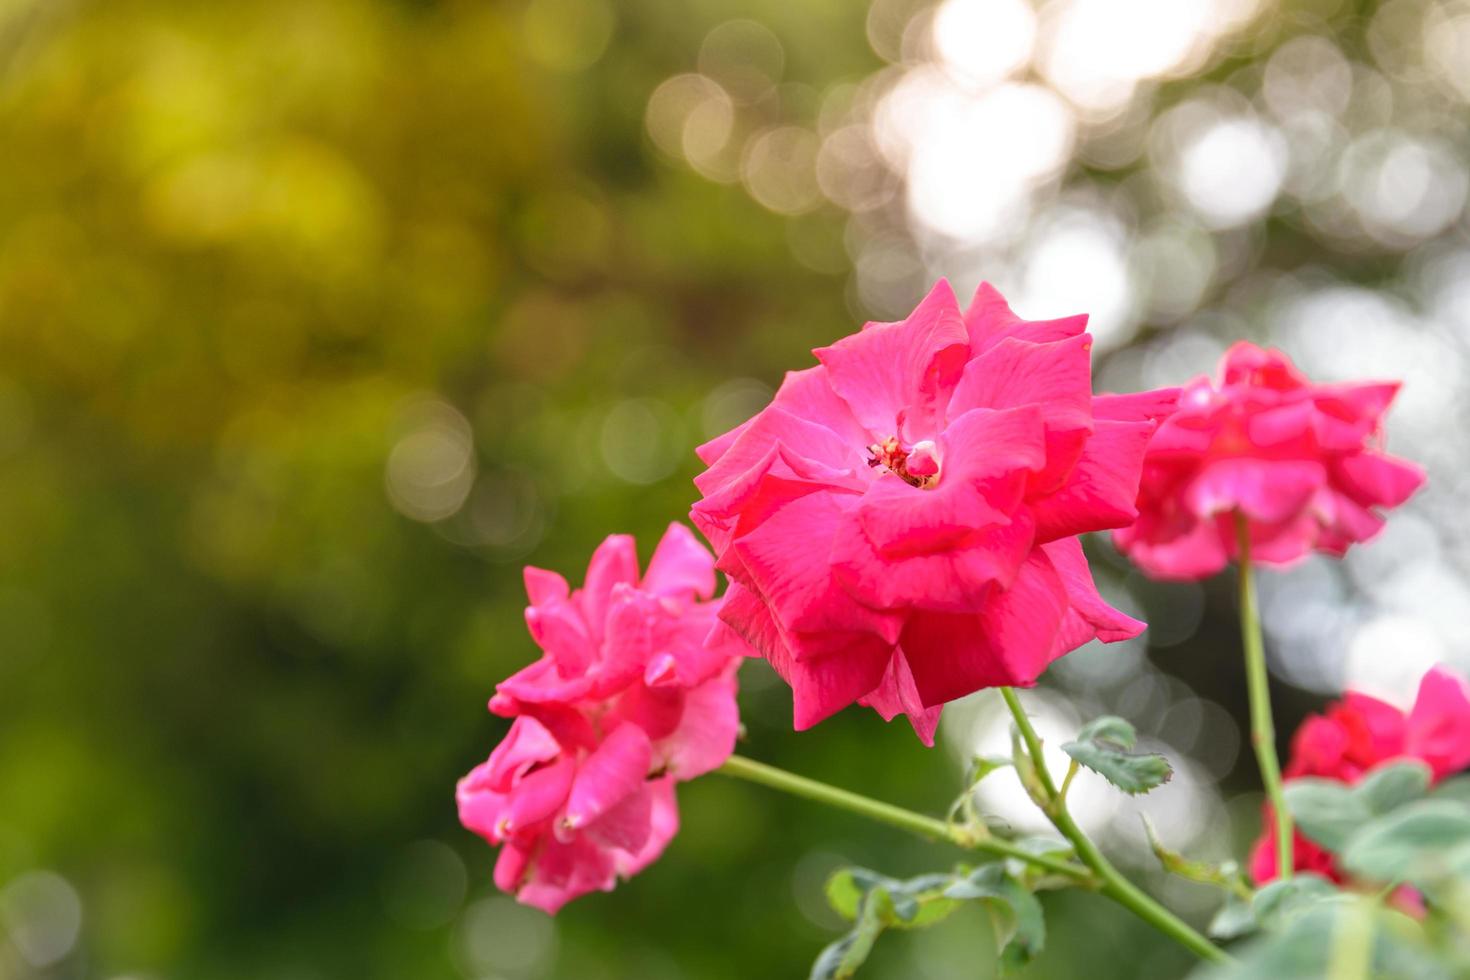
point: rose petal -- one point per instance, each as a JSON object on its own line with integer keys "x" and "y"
{"x": 613, "y": 771}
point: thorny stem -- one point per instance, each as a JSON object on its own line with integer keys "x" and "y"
{"x": 894, "y": 816}
{"x": 1263, "y": 730}
{"x": 1114, "y": 885}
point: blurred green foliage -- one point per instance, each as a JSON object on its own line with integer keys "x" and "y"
{"x": 239, "y": 243}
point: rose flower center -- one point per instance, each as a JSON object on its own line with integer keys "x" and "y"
{"x": 918, "y": 465}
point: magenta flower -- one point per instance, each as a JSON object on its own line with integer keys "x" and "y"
{"x": 1359, "y": 733}
{"x": 627, "y": 700}
{"x": 1302, "y": 462}
{"x": 900, "y": 523}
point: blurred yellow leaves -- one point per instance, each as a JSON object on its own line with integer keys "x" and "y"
{"x": 567, "y": 35}
{"x": 201, "y": 204}
{"x": 300, "y": 196}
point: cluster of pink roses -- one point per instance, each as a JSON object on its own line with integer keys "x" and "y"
{"x": 900, "y": 528}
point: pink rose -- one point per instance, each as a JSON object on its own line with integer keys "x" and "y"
{"x": 626, "y": 700}
{"x": 1359, "y": 733}
{"x": 900, "y": 523}
{"x": 1302, "y": 462}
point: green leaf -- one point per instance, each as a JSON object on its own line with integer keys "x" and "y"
{"x": 847, "y": 886}
{"x": 842, "y": 958}
{"x": 1346, "y": 936}
{"x": 937, "y": 880}
{"x": 829, "y": 962}
{"x": 964, "y": 804}
{"x": 1390, "y": 786}
{"x": 1028, "y": 932}
{"x": 1104, "y": 747}
{"x": 1038, "y": 879}
{"x": 962, "y": 812}
{"x": 920, "y": 902}
{"x": 1044, "y": 844}
{"x": 916, "y": 903}
{"x": 1456, "y": 789}
{"x": 1224, "y": 875}
{"x": 1329, "y": 812}
{"x": 983, "y": 882}
{"x": 1300, "y": 951}
{"x": 983, "y": 765}
{"x": 1323, "y": 809}
{"x": 1016, "y": 914}
{"x": 1278, "y": 902}
{"x": 1413, "y": 843}
{"x": 1235, "y": 919}
{"x": 1109, "y": 728}
{"x": 876, "y": 902}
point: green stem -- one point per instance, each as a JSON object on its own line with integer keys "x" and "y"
{"x": 1067, "y": 782}
{"x": 1114, "y": 885}
{"x": 894, "y": 816}
{"x": 1263, "y": 729}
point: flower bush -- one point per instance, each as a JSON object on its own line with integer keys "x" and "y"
{"x": 900, "y": 528}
